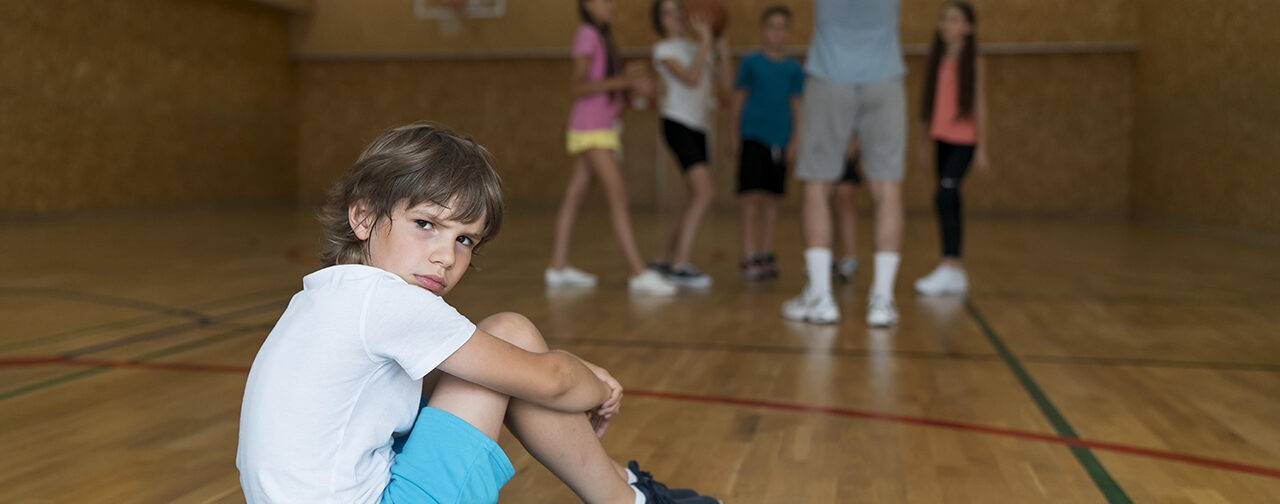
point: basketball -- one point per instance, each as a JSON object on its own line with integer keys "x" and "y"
{"x": 712, "y": 10}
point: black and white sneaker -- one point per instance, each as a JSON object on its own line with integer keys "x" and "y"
{"x": 658, "y": 493}
{"x": 685, "y": 275}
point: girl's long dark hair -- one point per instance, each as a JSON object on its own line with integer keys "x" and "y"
{"x": 613, "y": 60}
{"x": 968, "y": 57}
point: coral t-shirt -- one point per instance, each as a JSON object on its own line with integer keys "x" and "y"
{"x": 947, "y": 124}
{"x": 600, "y": 110}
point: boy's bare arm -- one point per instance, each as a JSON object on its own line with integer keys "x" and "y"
{"x": 555, "y": 379}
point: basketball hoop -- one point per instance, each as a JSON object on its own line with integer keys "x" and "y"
{"x": 450, "y": 13}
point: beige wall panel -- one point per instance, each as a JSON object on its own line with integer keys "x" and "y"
{"x": 121, "y": 104}
{"x": 1207, "y": 145}
{"x": 1060, "y": 130}
{"x": 388, "y": 27}
{"x": 1060, "y": 135}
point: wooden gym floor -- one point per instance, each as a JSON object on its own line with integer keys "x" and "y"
{"x": 1095, "y": 361}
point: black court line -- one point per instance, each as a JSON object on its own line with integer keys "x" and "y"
{"x": 173, "y": 330}
{"x": 163, "y": 352}
{"x": 123, "y": 324}
{"x": 915, "y": 354}
{"x": 103, "y": 299}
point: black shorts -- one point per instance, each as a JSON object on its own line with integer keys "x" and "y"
{"x": 851, "y": 175}
{"x": 689, "y": 146}
{"x": 761, "y": 168}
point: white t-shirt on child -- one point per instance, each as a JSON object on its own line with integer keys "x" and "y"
{"x": 340, "y": 372}
{"x": 683, "y": 104}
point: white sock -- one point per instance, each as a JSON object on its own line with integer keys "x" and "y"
{"x": 631, "y": 477}
{"x": 886, "y": 272}
{"x": 817, "y": 262}
{"x": 639, "y": 496}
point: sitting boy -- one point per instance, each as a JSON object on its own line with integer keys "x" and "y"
{"x": 371, "y": 388}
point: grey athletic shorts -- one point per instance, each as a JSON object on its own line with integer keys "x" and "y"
{"x": 876, "y": 111}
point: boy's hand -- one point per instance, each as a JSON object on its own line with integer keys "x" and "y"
{"x": 981, "y": 163}
{"x": 602, "y": 415}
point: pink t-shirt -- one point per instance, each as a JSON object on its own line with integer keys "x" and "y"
{"x": 947, "y": 125}
{"x": 597, "y": 111}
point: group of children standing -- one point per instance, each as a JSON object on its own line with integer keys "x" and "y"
{"x": 766, "y": 105}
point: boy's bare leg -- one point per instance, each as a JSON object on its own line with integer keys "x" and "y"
{"x": 563, "y": 442}
{"x": 769, "y": 224}
{"x": 566, "y": 445}
{"x": 750, "y": 216}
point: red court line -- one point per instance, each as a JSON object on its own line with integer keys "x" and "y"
{"x": 968, "y": 427}
{"x": 802, "y": 408}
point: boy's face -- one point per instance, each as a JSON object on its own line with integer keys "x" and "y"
{"x": 776, "y": 30}
{"x": 422, "y": 244}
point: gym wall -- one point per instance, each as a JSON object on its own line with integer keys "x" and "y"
{"x": 1207, "y": 149}
{"x": 142, "y": 103}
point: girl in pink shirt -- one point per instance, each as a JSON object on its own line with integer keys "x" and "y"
{"x": 600, "y": 88}
{"x": 955, "y": 119}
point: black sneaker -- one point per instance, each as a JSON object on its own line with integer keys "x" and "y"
{"x": 768, "y": 265}
{"x": 685, "y": 275}
{"x": 658, "y": 493}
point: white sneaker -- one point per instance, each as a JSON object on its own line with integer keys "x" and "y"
{"x": 942, "y": 281}
{"x": 881, "y": 311}
{"x": 814, "y": 309}
{"x": 652, "y": 283}
{"x": 569, "y": 277}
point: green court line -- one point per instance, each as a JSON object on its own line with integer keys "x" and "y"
{"x": 163, "y": 352}
{"x": 1110, "y": 489}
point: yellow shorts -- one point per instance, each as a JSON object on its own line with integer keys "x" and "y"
{"x": 577, "y": 141}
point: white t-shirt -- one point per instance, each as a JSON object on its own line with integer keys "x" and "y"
{"x": 683, "y": 104}
{"x": 338, "y": 375}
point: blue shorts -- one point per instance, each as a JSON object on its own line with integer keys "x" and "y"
{"x": 445, "y": 460}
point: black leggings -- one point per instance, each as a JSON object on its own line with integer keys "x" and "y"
{"x": 953, "y": 163}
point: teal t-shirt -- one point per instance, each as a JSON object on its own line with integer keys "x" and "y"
{"x": 770, "y": 84}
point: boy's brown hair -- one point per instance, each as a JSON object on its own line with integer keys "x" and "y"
{"x": 414, "y": 163}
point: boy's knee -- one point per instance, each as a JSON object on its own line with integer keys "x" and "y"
{"x": 516, "y": 329}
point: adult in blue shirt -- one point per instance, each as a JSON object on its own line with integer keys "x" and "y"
{"x": 854, "y": 85}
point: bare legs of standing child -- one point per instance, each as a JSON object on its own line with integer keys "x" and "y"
{"x": 600, "y": 164}
{"x": 759, "y": 211}
{"x": 678, "y": 248}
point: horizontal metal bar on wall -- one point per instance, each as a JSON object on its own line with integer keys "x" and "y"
{"x": 994, "y": 49}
